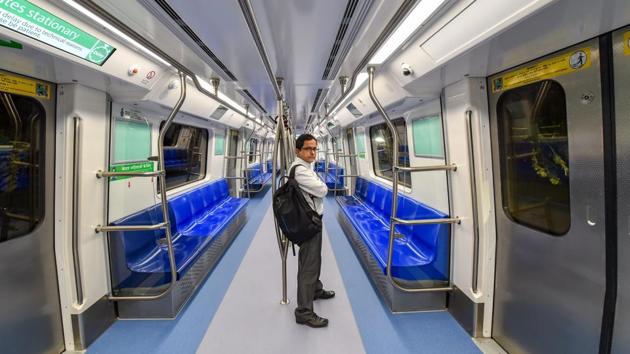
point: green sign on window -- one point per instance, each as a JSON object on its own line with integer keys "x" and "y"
{"x": 427, "y": 137}
{"x": 219, "y": 144}
{"x": 361, "y": 145}
{"x": 32, "y": 21}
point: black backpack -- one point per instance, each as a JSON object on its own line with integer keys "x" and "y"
{"x": 295, "y": 217}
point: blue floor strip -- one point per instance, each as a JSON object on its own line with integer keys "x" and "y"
{"x": 184, "y": 334}
{"x": 382, "y": 331}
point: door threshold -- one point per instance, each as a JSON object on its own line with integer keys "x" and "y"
{"x": 489, "y": 346}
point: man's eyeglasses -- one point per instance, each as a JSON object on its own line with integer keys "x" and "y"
{"x": 310, "y": 149}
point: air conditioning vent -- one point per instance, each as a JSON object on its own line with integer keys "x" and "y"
{"x": 350, "y": 25}
{"x": 219, "y": 112}
{"x": 354, "y": 110}
{"x": 318, "y": 96}
{"x": 191, "y": 34}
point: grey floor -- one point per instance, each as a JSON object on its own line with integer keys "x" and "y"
{"x": 250, "y": 318}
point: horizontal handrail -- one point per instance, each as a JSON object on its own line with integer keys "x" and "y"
{"x": 455, "y": 220}
{"x": 17, "y": 216}
{"x": 451, "y": 167}
{"x": 233, "y": 157}
{"x": 349, "y": 176}
{"x": 162, "y": 225}
{"x": 101, "y": 174}
{"x": 394, "y": 220}
{"x": 348, "y": 155}
{"x": 234, "y": 177}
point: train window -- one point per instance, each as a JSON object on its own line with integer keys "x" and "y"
{"x": 22, "y": 158}
{"x": 360, "y": 140}
{"x": 132, "y": 140}
{"x": 534, "y": 155}
{"x": 251, "y": 151}
{"x": 219, "y": 144}
{"x": 382, "y": 141}
{"x": 184, "y": 154}
{"x": 427, "y": 137}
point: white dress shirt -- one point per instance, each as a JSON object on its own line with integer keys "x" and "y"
{"x": 310, "y": 184}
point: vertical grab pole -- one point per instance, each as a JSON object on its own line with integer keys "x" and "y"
{"x": 475, "y": 205}
{"x": 394, "y": 132}
{"x": 76, "y": 182}
{"x": 164, "y": 201}
{"x": 283, "y": 244}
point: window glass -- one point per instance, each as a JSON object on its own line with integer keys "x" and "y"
{"x": 534, "y": 153}
{"x": 427, "y": 137}
{"x": 132, "y": 140}
{"x": 361, "y": 145}
{"x": 184, "y": 154}
{"x": 22, "y": 158}
{"x": 253, "y": 144}
{"x": 382, "y": 149}
{"x": 219, "y": 144}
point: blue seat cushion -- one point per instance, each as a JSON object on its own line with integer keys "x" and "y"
{"x": 197, "y": 217}
{"x": 422, "y": 254}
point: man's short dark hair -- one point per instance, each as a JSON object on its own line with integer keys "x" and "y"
{"x": 299, "y": 142}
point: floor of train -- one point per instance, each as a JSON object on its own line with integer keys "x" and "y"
{"x": 237, "y": 308}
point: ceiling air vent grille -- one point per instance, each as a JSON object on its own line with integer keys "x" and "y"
{"x": 318, "y": 96}
{"x": 341, "y": 33}
{"x": 350, "y": 26}
{"x": 182, "y": 24}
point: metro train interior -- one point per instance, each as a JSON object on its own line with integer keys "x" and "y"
{"x": 476, "y": 154}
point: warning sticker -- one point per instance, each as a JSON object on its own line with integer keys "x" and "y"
{"x": 626, "y": 43}
{"x": 561, "y": 65}
{"x": 23, "y": 86}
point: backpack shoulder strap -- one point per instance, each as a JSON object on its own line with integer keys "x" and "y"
{"x": 292, "y": 172}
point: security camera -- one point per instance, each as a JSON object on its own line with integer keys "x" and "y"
{"x": 406, "y": 70}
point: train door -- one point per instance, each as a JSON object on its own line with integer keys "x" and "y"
{"x": 548, "y": 159}
{"x": 232, "y": 162}
{"x": 31, "y": 316}
{"x": 621, "y": 69}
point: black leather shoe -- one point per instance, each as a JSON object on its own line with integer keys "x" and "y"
{"x": 313, "y": 321}
{"x": 325, "y": 294}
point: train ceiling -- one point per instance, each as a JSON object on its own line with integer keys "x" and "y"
{"x": 309, "y": 44}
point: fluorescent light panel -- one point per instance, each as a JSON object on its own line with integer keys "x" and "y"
{"x": 416, "y": 18}
{"x": 113, "y": 29}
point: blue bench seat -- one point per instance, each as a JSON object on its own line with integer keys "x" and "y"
{"x": 175, "y": 158}
{"x": 198, "y": 216}
{"x": 257, "y": 177}
{"x": 329, "y": 176}
{"x": 423, "y": 252}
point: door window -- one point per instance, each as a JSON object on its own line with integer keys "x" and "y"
{"x": 22, "y": 159}
{"x": 534, "y": 156}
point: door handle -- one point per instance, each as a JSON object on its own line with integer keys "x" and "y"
{"x": 591, "y": 219}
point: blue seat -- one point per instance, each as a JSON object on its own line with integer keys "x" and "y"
{"x": 423, "y": 252}
{"x": 333, "y": 177}
{"x": 140, "y": 258}
{"x": 175, "y": 158}
{"x": 8, "y": 181}
{"x": 256, "y": 177}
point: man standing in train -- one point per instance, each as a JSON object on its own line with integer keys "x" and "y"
{"x": 309, "y": 286}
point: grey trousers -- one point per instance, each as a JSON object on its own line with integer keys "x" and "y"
{"x": 309, "y": 268}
